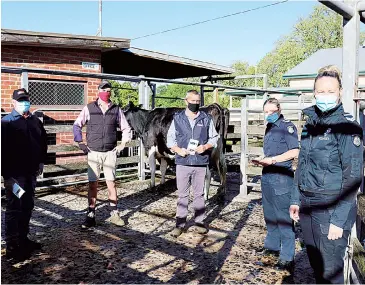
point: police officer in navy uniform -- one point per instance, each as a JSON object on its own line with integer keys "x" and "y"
{"x": 330, "y": 170}
{"x": 23, "y": 153}
{"x": 280, "y": 148}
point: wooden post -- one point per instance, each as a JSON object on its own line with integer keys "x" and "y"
{"x": 244, "y": 147}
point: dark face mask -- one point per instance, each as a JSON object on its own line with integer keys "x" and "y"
{"x": 193, "y": 107}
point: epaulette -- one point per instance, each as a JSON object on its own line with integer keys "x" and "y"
{"x": 349, "y": 117}
{"x": 286, "y": 121}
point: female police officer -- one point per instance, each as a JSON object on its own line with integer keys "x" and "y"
{"x": 280, "y": 148}
{"x": 329, "y": 174}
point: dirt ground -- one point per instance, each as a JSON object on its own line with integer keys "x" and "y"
{"x": 143, "y": 251}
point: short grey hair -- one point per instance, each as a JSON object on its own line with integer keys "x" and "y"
{"x": 272, "y": 101}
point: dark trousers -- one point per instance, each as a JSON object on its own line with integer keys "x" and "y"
{"x": 326, "y": 256}
{"x": 276, "y": 202}
{"x": 19, "y": 211}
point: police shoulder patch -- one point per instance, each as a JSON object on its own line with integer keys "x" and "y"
{"x": 349, "y": 117}
{"x": 357, "y": 140}
{"x": 290, "y": 129}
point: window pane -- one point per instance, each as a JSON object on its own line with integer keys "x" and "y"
{"x": 56, "y": 93}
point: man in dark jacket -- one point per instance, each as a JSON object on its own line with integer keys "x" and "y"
{"x": 24, "y": 150}
{"x": 191, "y": 136}
{"x": 102, "y": 118}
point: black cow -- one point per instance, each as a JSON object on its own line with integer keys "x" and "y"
{"x": 152, "y": 127}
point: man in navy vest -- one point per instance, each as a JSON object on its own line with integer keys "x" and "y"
{"x": 102, "y": 118}
{"x": 191, "y": 136}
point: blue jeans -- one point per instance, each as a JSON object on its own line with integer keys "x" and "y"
{"x": 276, "y": 202}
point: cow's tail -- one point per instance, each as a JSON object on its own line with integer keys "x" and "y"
{"x": 225, "y": 125}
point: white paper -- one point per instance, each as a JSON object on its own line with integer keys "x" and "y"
{"x": 17, "y": 190}
{"x": 192, "y": 146}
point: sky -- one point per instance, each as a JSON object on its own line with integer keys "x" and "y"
{"x": 247, "y": 37}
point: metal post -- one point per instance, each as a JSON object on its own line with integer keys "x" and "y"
{"x": 100, "y": 32}
{"x": 244, "y": 147}
{"x": 350, "y": 73}
{"x": 142, "y": 100}
{"x": 24, "y": 80}
{"x": 350, "y": 59}
{"x": 202, "y": 92}
{"x": 153, "y": 99}
{"x": 215, "y": 96}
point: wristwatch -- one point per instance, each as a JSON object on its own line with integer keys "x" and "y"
{"x": 273, "y": 160}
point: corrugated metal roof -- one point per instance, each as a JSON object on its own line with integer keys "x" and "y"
{"x": 321, "y": 58}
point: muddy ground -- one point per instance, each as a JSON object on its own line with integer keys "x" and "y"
{"x": 143, "y": 251}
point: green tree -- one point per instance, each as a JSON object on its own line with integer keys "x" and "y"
{"x": 174, "y": 91}
{"x": 124, "y": 92}
{"x": 320, "y": 30}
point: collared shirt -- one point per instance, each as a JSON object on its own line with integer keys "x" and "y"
{"x": 84, "y": 117}
{"x": 212, "y": 132}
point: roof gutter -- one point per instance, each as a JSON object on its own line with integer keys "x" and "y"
{"x": 313, "y": 75}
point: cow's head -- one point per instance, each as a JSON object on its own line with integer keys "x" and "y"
{"x": 136, "y": 117}
{"x": 131, "y": 107}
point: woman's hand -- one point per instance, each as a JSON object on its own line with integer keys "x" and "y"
{"x": 294, "y": 212}
{"x": 334, "y": 232}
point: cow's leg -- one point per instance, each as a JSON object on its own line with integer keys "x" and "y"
{"x": 222, "y": 169}
{"x": 163, "y": 168}
{"x": 208, "y": 177}
{"x": 152, "y": 162}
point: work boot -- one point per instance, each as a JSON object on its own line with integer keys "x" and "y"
{"x": 31, "y": 245}
{"x": 201, "y": 228}
{"x": 16, "y": 253}
{"x": 90, "y": 220}
{"x": 268, "y": 252}
{"x": 285, "y": 265}
{"x": 177, "y": 232}
{"x": 115, "y": 219}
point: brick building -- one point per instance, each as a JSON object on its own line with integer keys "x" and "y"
{"x": 62, "y": 97}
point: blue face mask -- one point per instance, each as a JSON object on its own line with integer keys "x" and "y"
{"x": 272, "y": 118}
{"x": 22, "y": 107}
{"x": 326, "y": 102}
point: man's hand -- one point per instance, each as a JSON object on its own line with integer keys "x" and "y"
{"x": 182, "y": 152}
{"x": 200, "y": 149}
{"x": 8, "y": 183}
{"x": 119, "y": 148}
{"x": 40, "y": 169}
{"x": 334, "y": 232}
{"x": 84, "y": 148}
{"x": 294, "y": 212}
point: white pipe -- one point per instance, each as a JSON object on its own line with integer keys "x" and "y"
{"x": 80, "y": 174}
{"x": 81, "y": 182}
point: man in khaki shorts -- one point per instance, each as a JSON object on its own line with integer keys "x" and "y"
{"x": 102, "y": 118}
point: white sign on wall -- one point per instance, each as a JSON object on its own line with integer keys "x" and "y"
{"x": 90, "y": 66}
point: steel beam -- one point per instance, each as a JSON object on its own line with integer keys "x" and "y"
{"x": 339, "y": 7}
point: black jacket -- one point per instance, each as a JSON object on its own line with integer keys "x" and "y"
{"x": 23, "y": 145}
{"x": 330, "y": 159}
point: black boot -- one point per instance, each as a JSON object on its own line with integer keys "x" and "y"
{"x": 90, "y": 219}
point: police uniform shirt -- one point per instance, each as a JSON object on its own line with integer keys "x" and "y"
{"x": 280, "y": 137}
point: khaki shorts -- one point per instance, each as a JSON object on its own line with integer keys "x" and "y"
{"x": 97, "y": 160}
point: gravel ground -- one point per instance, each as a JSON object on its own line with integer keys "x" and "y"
{"x": 143, "y": 251}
